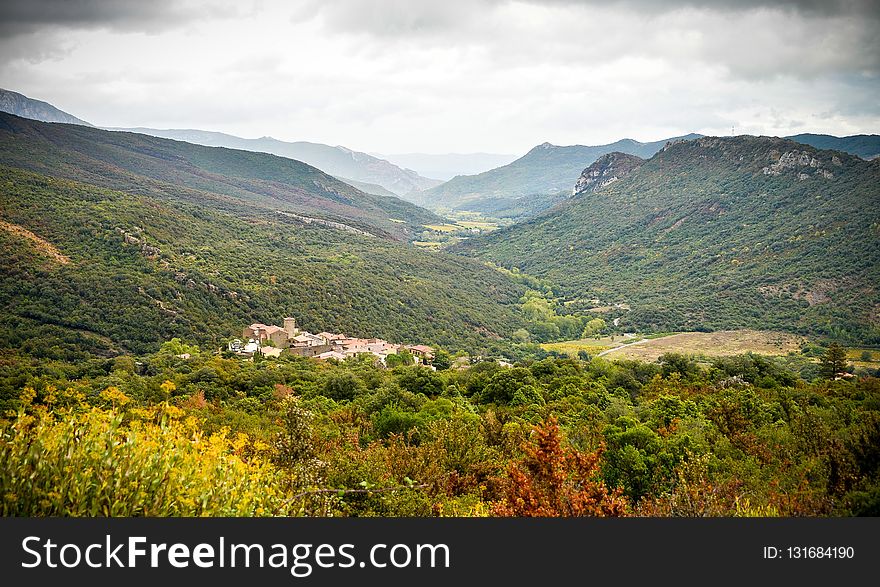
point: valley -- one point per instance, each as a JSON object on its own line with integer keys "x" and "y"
{"x": 675, "y": 328}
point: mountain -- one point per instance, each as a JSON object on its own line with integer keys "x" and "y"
{"x": 546, "y": 169}
{"x": 116, "y": 242}
{"x": 716, "y": 233}
{"x": 337, "y": 161}
{"x": 224, "y": 177}
{"x": 445, "y": 166}
{"x": 21, "y": 105}
{"x": 864, "y": 146}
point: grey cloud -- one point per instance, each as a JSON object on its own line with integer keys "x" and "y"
{"x": 24, "y": 16}
{"x": 806, "y": 7}
{"x": 408, "y": 17}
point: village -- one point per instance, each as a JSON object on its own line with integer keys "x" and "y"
{"x": 271, "y": 341}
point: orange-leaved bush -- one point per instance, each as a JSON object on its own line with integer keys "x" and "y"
{"x": 553, "y": 480}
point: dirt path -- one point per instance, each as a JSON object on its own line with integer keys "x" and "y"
{"x": 623, "y": 346}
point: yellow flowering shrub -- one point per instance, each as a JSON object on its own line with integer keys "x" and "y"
{"x": 91, "y": 464}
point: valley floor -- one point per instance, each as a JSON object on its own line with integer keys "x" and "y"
{"x": 710, "y": 344}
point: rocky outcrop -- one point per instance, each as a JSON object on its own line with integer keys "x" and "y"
{"x": 606, "y": 170}
{"x": 804, "y": 163}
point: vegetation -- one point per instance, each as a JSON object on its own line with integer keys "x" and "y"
{"x": 209, "y": 435}
{"x": 714, "y": 234}
{"x": 143, "y": 269}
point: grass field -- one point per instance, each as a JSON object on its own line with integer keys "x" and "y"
{"x": 443, "y": 227}
{"x": 593, "y": 346}
{"x": 710, "y": 344}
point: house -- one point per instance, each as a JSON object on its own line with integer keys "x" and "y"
{"x": 423, "y": 354}
{"x": 310, "y": 350}
{"x": 279, "y": 336}
{"x": 330, "y": 338}
{"x": 307, "y": 339}
{"x": 330, "y": 355}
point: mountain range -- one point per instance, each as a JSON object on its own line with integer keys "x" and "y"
{"x": 339, "y": 162}
{"x": 713, "y": 233}
{"x": 113, "y": 242}
{"x": 445, "y": 166}
{"x": 372, "y": 174}
{"x": 144, "y": 164}
{"x": 545, "y": 170}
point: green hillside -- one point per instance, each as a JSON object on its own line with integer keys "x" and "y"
{"x": 212, "y": 176}
{"x": 86, "y": 270}
{"x": 717, "y": 233}
{"x": 546, "y": 169}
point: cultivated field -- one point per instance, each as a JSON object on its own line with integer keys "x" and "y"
{"x": 711, "y": 344}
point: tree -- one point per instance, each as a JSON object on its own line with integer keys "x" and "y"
{"x": 343, "y": 386}
{"x": 504, "y": 385}
{"x": 555, "y": 481}
{"x": 442, "y": 360}
{"x": 834, "y": 361}
{"x": 594, "y": 326}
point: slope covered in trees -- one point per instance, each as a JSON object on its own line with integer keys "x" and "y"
{"x": 210, "y": 176}
{"x": 717, "y": 233}
{"x": 141, "y": 269}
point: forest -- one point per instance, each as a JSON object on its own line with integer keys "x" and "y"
{"x": 186, "y": 432}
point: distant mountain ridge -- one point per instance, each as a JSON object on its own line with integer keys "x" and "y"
{"x": 546, "y": 169}
{"x": 864, "y": 146}
{"x": 445, "y": 166}
{"x": 20, "y": 105}
{"x": 339, "y": 162}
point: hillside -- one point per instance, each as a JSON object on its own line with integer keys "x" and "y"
{"x": 716, "y": 233}
{"x": 212, "y": 176}
{"x": 20, "y": 105}
{"x": 546, "y": 169}
{"x": 89, "y": 270}
{"x": 336, "y": 161}
{"x": 864, "y": 146}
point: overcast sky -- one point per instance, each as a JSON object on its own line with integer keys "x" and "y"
{"x": 397, "y": 76}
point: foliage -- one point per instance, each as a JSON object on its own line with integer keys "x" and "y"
{"x": 552, "y": 481}
{"x": 739, "y": 436}
{"x": 93, "y": 464}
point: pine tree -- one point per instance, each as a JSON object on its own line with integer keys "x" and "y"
{"x": 834, "y": 361}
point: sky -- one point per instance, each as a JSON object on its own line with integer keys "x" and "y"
{"x": 498, "y": 76}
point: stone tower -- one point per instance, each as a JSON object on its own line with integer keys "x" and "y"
{"x": 290, "y": 327}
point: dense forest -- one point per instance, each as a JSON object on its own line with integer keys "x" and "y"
{"x": 211, "y": 435}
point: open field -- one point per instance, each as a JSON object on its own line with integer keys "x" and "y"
{"x": 712, "y": 344}
{"x": 592, "y": 345}
{"x": 442, "y": 227}
{"x": 863, "y": 356}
